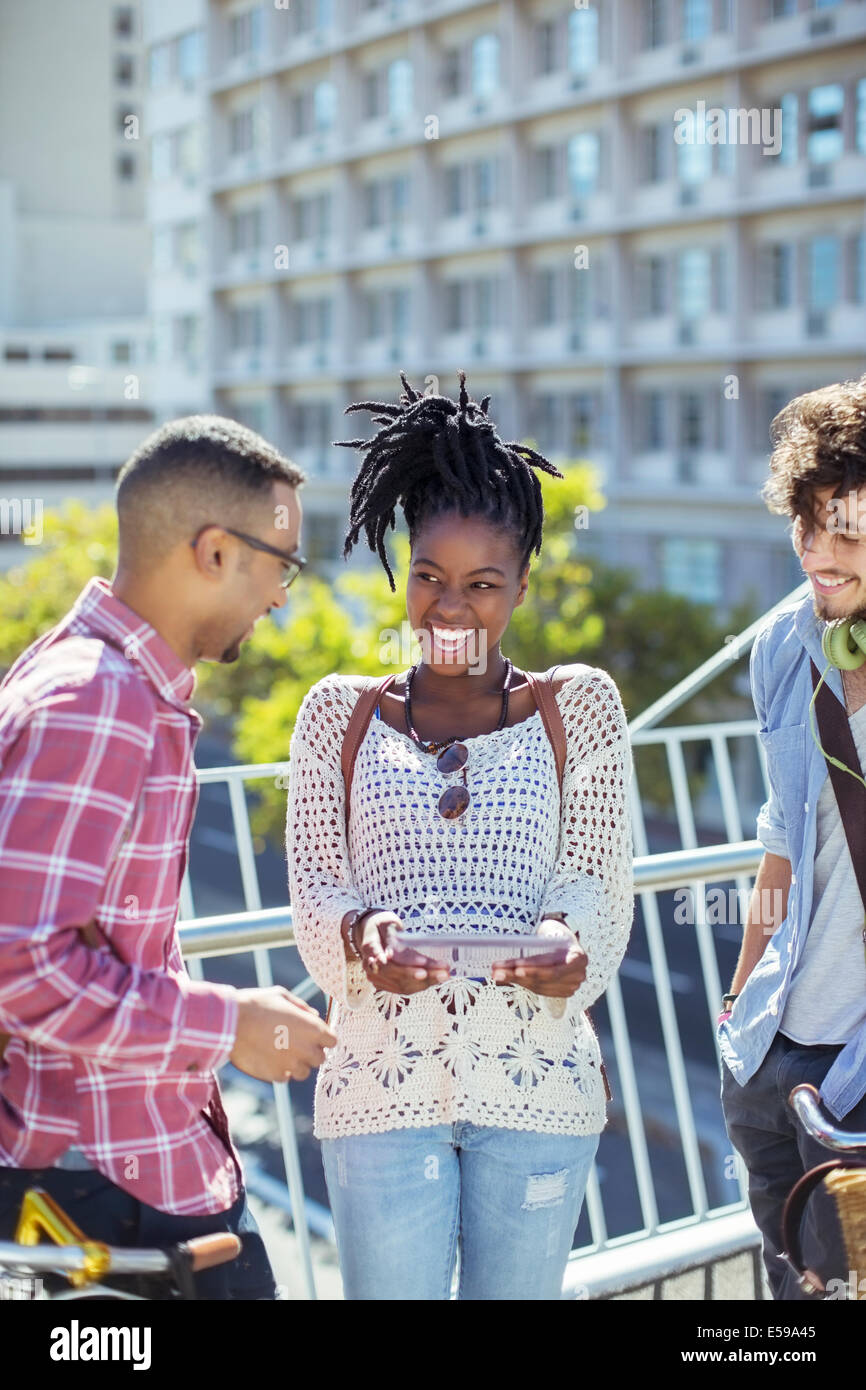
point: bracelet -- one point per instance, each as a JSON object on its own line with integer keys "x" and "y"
{"x": 350, "y": 930}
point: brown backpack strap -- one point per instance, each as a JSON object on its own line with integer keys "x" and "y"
{"x": 541, "y": 685}
{"x": 356, "y": 728}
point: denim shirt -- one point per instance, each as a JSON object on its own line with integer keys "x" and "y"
{"x": 787, "y": 824}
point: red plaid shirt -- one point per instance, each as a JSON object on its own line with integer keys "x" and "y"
{"x": 113, "y": 1048}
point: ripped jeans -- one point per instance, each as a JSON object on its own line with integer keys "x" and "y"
{"x": 403, "y": 1201}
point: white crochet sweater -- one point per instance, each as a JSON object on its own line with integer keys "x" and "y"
{"x": 483, "y": 1053}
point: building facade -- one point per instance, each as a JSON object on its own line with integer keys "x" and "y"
{"x": 74, "y": 254}
{"x": 640, "y": 226}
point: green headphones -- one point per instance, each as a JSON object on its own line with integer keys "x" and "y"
{"x": 843, "y": 643}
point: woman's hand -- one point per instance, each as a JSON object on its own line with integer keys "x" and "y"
{"x": 554, "y": 974}
{"x": 398, "y": 971}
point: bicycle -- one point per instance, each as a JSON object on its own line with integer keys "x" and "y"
{"x": 845, "y": 1180}
{"x": 83, "y": 1263}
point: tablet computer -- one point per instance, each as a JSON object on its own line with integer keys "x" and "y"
{"x": 474, "y": 953}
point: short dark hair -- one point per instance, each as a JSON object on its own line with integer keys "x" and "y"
{"x": 190, "y": 472}
{"x": 435, "y": 456}
{"x": 819, "y": 441}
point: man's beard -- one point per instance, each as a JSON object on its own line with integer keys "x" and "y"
{"x": 821, "y": 610}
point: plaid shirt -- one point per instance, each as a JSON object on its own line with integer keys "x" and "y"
{"x": 113, "y": 1047}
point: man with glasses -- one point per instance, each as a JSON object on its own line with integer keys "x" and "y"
{"x": 108, "y": 1049}
{"x": 797, "y": 1008}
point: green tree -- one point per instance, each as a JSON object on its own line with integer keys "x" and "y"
{"x": 578, "y": 609}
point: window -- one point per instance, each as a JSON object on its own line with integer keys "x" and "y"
{"x": 126, "y": 168}
{"x": 324, "y": 106}
{"x": 655, "y": 23}
{"x": 484, "y": 183}
{"x": 652, "y": 164}
{"x": 312, "y": 321}
{"x": 776, "y": 276}
{"x": 692, "y": 568}
{"x": 188, "y": 246}
{"x": 485, "y": 65}
{"x": 190, "y": 56}
{"x": 312, "y": 15}
{"x": 247, "y": 327}
{"x": 697, "y": 20}
{"x": 824, "y": 129}
{"x": 577, "y": 296}
{"x": 312, "y": 216}
{"x": 789, "y": 105}
{"x": 824, "y": 260}
{"x": 400, "y": 88}
{"x": 695, "y": 157}
{"x": 124, "y": 71}
{"x": 694, "y": 283}
{"x": 162, "y": 156}
{"x": 471, "y": 303}
{"x": 860, "y": 117}
{"x": 186, "y": 338}
{"x": 582, "y": 40}
{"x": 583, "y": 164}
{"x": 245, "y": 230}
{"x": 545, "y": 173}
{"x": 188, "y": 151}
{"x": 580, "y": 422}
{"x": 386, "y": 314}
{"x": 124, "y": 21}
{"x": 545, "y": 48}
{"x": 780, "y": 9}
{"x": 650, "y": 286}
{"x": 545, "y": 296}
{"x": 163, "y": 248}
{"x": 242, "y": 131}
{"x": 690, "y": 419}
{"x": 770, "y": 400}
{"x": 858, "y": 268}
{"x": 159, "y": 65}
{"x": 311, "y": 425}
{"x": 322, "y": 537}
{"x": 545, "y": 421}
{"x": 246, "y": 32}
{"x": 121, "y": 352}
{"x": 452, "y": 73}
{"x": 651, "y": 421}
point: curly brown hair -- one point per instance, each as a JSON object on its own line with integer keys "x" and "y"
{"x": 819, "y": 441}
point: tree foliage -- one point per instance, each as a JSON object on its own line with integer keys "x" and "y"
{"x": 577, "y": 609}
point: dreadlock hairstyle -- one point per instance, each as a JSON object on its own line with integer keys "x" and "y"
{"x": 434, "y": 455}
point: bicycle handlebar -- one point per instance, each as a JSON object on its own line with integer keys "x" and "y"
{"x": 806, "y": 1103}
{"x": 203, "y": 1252}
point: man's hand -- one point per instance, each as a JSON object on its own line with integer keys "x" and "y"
{"x": 279, "y": 1037}
{"x": 386, "y": 967}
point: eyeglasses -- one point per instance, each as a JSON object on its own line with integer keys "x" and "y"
{"x": 454, "y": 800}
{"x": 293, "y": 563}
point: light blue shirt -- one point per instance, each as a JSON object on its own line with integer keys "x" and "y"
{"x": 787, "y": 824}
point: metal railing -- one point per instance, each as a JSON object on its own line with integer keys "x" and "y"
{"x": 608, "y": 1263}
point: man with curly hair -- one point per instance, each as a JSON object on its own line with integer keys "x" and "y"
{"x": 797, "y": 1008}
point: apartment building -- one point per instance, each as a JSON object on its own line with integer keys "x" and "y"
{"x": 639, "y": 225}
{"x": 74, "y": 252}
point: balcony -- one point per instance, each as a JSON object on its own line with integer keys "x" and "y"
{"x": 665, "y": 1213}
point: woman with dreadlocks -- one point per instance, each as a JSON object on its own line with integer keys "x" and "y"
{"x": 458, "y": 1112}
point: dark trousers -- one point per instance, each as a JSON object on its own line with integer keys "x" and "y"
{"x": 777, "y": 1151}
{"x": 104, "y": 1212}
